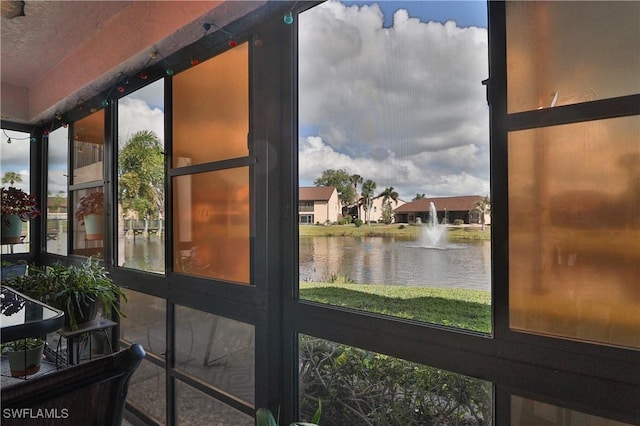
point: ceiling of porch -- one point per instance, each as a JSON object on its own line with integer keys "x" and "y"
{"x": 62, "y": 53}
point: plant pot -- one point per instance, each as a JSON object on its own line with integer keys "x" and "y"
{"x": 85, "y": 317}
{"x": 24, "y": 363}
{"x": 94, "y": 226}
{"x": 11, "y": 229}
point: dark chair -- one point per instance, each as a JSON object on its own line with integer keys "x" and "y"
{"x": 93, "y": 393}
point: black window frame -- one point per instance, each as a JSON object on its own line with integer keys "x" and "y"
{"x": 592, "y": 378}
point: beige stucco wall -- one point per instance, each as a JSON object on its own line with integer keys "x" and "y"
{"x": 324, "y": 211}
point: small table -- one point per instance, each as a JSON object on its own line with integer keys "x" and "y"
{"x": 22, "y": 317}
{"x": 74, "y": 336}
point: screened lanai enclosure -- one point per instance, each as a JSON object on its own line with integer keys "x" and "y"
{"x": 170, "y": 140}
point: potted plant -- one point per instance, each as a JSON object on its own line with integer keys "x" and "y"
{"x": 25, "y": 356}
{"x": 90, "y": 213}
{"x": 17, "y": 207}
{"x": 79, "y": 291}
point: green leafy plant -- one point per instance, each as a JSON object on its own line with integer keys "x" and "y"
{"x": 92, "y": 203}
{"x": 71, "y": 288}
{"x": 361, "y": 387}
{"x": 264, "y": 417}
{"x": 22, "y": 345}
{"x": 16, "y": 201}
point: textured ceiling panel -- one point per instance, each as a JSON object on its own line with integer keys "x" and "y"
{"x": 63, "y": 52}
{"x": 50, "y": 30}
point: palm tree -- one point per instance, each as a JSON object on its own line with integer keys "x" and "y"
{"x": 484, "y": 207}
{"x": 11, "y": 178}
{"x": 388, "y": 195}
{"x": 141, "y": 172}
{"x": 419, "y": 197}
{"x": 368, "y": 188}
{"x": 355, "y": 181}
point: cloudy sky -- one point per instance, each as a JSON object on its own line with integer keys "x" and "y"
{"x": 388, "y": 90}
{"x": 393, "y": 93}
{"x": 15, "y": 156}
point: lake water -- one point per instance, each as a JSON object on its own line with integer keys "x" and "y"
{"x": 377, "y": 260}
{"x": 366, "y": 260}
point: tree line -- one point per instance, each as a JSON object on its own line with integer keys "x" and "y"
{"x": 351, "y": 200}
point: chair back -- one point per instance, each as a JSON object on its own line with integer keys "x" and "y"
{"x": 93, "y": 393}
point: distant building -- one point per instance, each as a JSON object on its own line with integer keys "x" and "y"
{"x": 318, "y": 204}
{"x": 375, "y": 212}
{"x": 448, "y": 210}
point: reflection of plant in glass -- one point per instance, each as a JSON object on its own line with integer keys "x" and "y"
{"x": 11, "y": 302}
{"x": 92, "y": 203}
{"x": 16, "y": 201}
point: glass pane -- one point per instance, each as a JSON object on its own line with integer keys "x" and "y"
{"x": 88, "y": 213}
{"x": 145, "y": 321}
{"x": 211, "y": 109}
{"x": 565, "y": 52}
{"x": 574, "y": 234}
{"x": 141, "y": 179}
{"x": 394, "y": 160}
{"x": 15, "y": 151}
{"x": 147, "y": 391}
{"x": 529, "y": 412}
{"x": 197, "y": 408}
{"x": 363, "y": 387}
{"x": 211, "y": 224}
{"x": 57, "y": 191}
{"x": 216, "y": 350}
{"x": 88, "y": 148}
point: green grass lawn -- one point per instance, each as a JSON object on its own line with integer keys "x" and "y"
{"x": 454, "y": 233}
{"x": 466, "y": 309}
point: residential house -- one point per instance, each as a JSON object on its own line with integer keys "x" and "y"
{"x": 448, "y": 210}
{"x": 318, "y": 204}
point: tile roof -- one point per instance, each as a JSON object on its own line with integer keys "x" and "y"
{"x": 315, "y": 193}
{"x": 464, "y": 203}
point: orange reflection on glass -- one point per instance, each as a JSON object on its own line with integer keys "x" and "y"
{"x": 574, "y": 231}
{"x": 530, "y": 412}
{"x": 211, "y": 109}
{"x": 88, "y": 148}
{"x": 561, "y": 53}
{"x": 211, "y": 224}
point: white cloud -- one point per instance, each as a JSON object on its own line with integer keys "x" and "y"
{"x": 403, "y": 105}
{"x": 135, "y": 115}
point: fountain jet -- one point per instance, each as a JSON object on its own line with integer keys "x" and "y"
{"x": 434, "y": 234}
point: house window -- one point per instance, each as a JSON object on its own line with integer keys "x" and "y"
{"x": 306, "y": 219}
